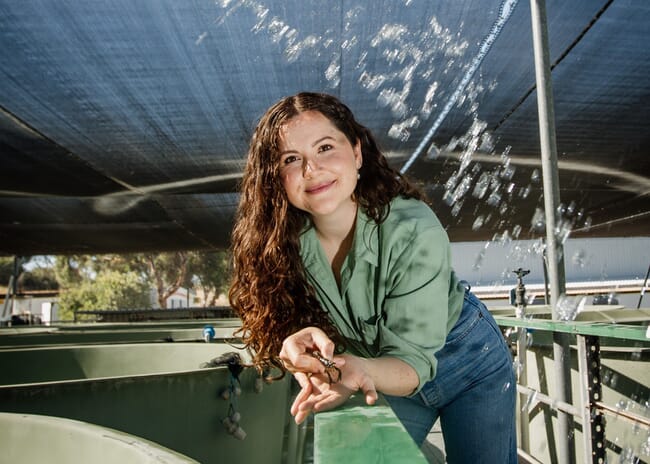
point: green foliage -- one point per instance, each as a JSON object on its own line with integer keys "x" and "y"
{"x": 108, "y": 290}
{"x": 71, "y": 270}
{"x": 108, "y": 282}
{"x": 6, "y": 269}
{"x": 34, "y": 273}
{"x": 166, "y": 272}
{"x": 211, "y": 273}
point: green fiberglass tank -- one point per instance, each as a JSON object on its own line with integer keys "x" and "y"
{"x": 155, "y": 391}
{"x": 30, "y": 438}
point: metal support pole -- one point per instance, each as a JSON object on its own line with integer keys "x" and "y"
{"x": 12, "y": 286}
{"x": 645, "y": 284}
{"x": 547, "y": 297}
{"x": 554, "y": 254}
{"x": 522, "y": 370}
{"x": 593, "y": 424}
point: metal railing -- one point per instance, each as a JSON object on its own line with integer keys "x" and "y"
{"x": 592, "y": 409}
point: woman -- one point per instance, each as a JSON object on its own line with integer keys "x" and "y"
{"x": 341, "y": 268}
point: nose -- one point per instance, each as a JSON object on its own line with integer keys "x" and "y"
{"x": 308, "y": 167}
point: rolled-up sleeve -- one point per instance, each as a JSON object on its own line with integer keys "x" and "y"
{"x": 413, "y": 324}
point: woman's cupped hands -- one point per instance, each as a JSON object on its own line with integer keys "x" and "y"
{"x": 326, "y": 380}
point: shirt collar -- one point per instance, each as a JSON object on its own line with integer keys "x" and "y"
{"x": 366, "y": 238}
{"x": 365, "y": 245}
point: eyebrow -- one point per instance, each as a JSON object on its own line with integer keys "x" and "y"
{"x": 327, "y": 137}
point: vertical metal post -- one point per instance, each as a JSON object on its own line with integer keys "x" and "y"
{"x": 645, "y": 284}
{"x": 593, "y": 423}
{"x": 554, "y": 254}
{"x": 12, "y": 286}
{"x": 522, "y": 346}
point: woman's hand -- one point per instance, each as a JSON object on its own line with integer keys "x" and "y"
{"x": 297, "y": 349}
{"x": 318, "y": 394}
{"x": 387, "y": 374}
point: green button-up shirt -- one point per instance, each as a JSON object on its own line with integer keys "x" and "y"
{"x": 398, "y": 296}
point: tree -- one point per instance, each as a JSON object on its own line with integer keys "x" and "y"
{"x": 7, "y": 265}
{"x": 108, "y": 290}
{"x": 123, "y": 281}
{"x": 98, "y": 282}
{"x": 37, "y": 273}
{"x": 6, "y": 269}
{"x": 211, "y": 273}
{"x": 167, "y": 272}
{"x": 39, "y": 278}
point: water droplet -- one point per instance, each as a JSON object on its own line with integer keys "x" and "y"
{"x": 571, "y": 208}
{"x": 538, "y": 247}
{"x": 481, "y": 186}
{"x": 428, "y": 98}
{"x": 531, "y": 398}
{"x": 456, "y": 209}
{"x": 579, "y": 258}
{"x": 295, "y": 49}
{"x": 462, "y": 188}
{"x": 371, "y": 82}
{"x": 538, "y": 221}
{"x": 507, "y": 173}
{"x": 534, "y": 176}
{"x": 494, "y": 199}
{"x": 503, "y": 239}
{"x": 200, "y": 38}
{"x": 563, "y": 230}
{"x": 433, "y": 152}
{"x": 486, "y": 144}
{"x": 568, "y": 308}
{"x": 478, "y": 262}
{"x": 333, "y": 73}
{"x": 397, "y": 131}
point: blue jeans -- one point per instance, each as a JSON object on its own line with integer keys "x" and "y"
{"x": 473, "y": 393}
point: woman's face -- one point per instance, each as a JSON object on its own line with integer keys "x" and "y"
{"x": 318, "y": 166}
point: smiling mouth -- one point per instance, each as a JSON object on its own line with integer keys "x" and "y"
{"x": 319, "y": 188}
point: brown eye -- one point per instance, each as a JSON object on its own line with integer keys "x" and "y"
{"x": 289, "y": 159}
{"x": 325, "y": 147}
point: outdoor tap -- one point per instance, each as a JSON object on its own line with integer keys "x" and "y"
{"x": 518, "y": 294}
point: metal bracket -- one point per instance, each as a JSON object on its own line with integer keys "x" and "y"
{"x": 593, "y": 421}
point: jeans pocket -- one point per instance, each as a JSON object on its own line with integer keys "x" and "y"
{"x": 469, "y": 317}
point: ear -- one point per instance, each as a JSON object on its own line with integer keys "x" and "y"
{"x": 358, "y": 158}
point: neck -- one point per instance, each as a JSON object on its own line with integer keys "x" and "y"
{"x": 336, "y": 236}
{"x": 338, "y": 228}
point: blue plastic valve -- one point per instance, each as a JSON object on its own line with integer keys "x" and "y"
{"x": 208, "y": 333}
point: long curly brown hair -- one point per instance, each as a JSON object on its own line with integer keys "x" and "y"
{"x": 269, "y": 290}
